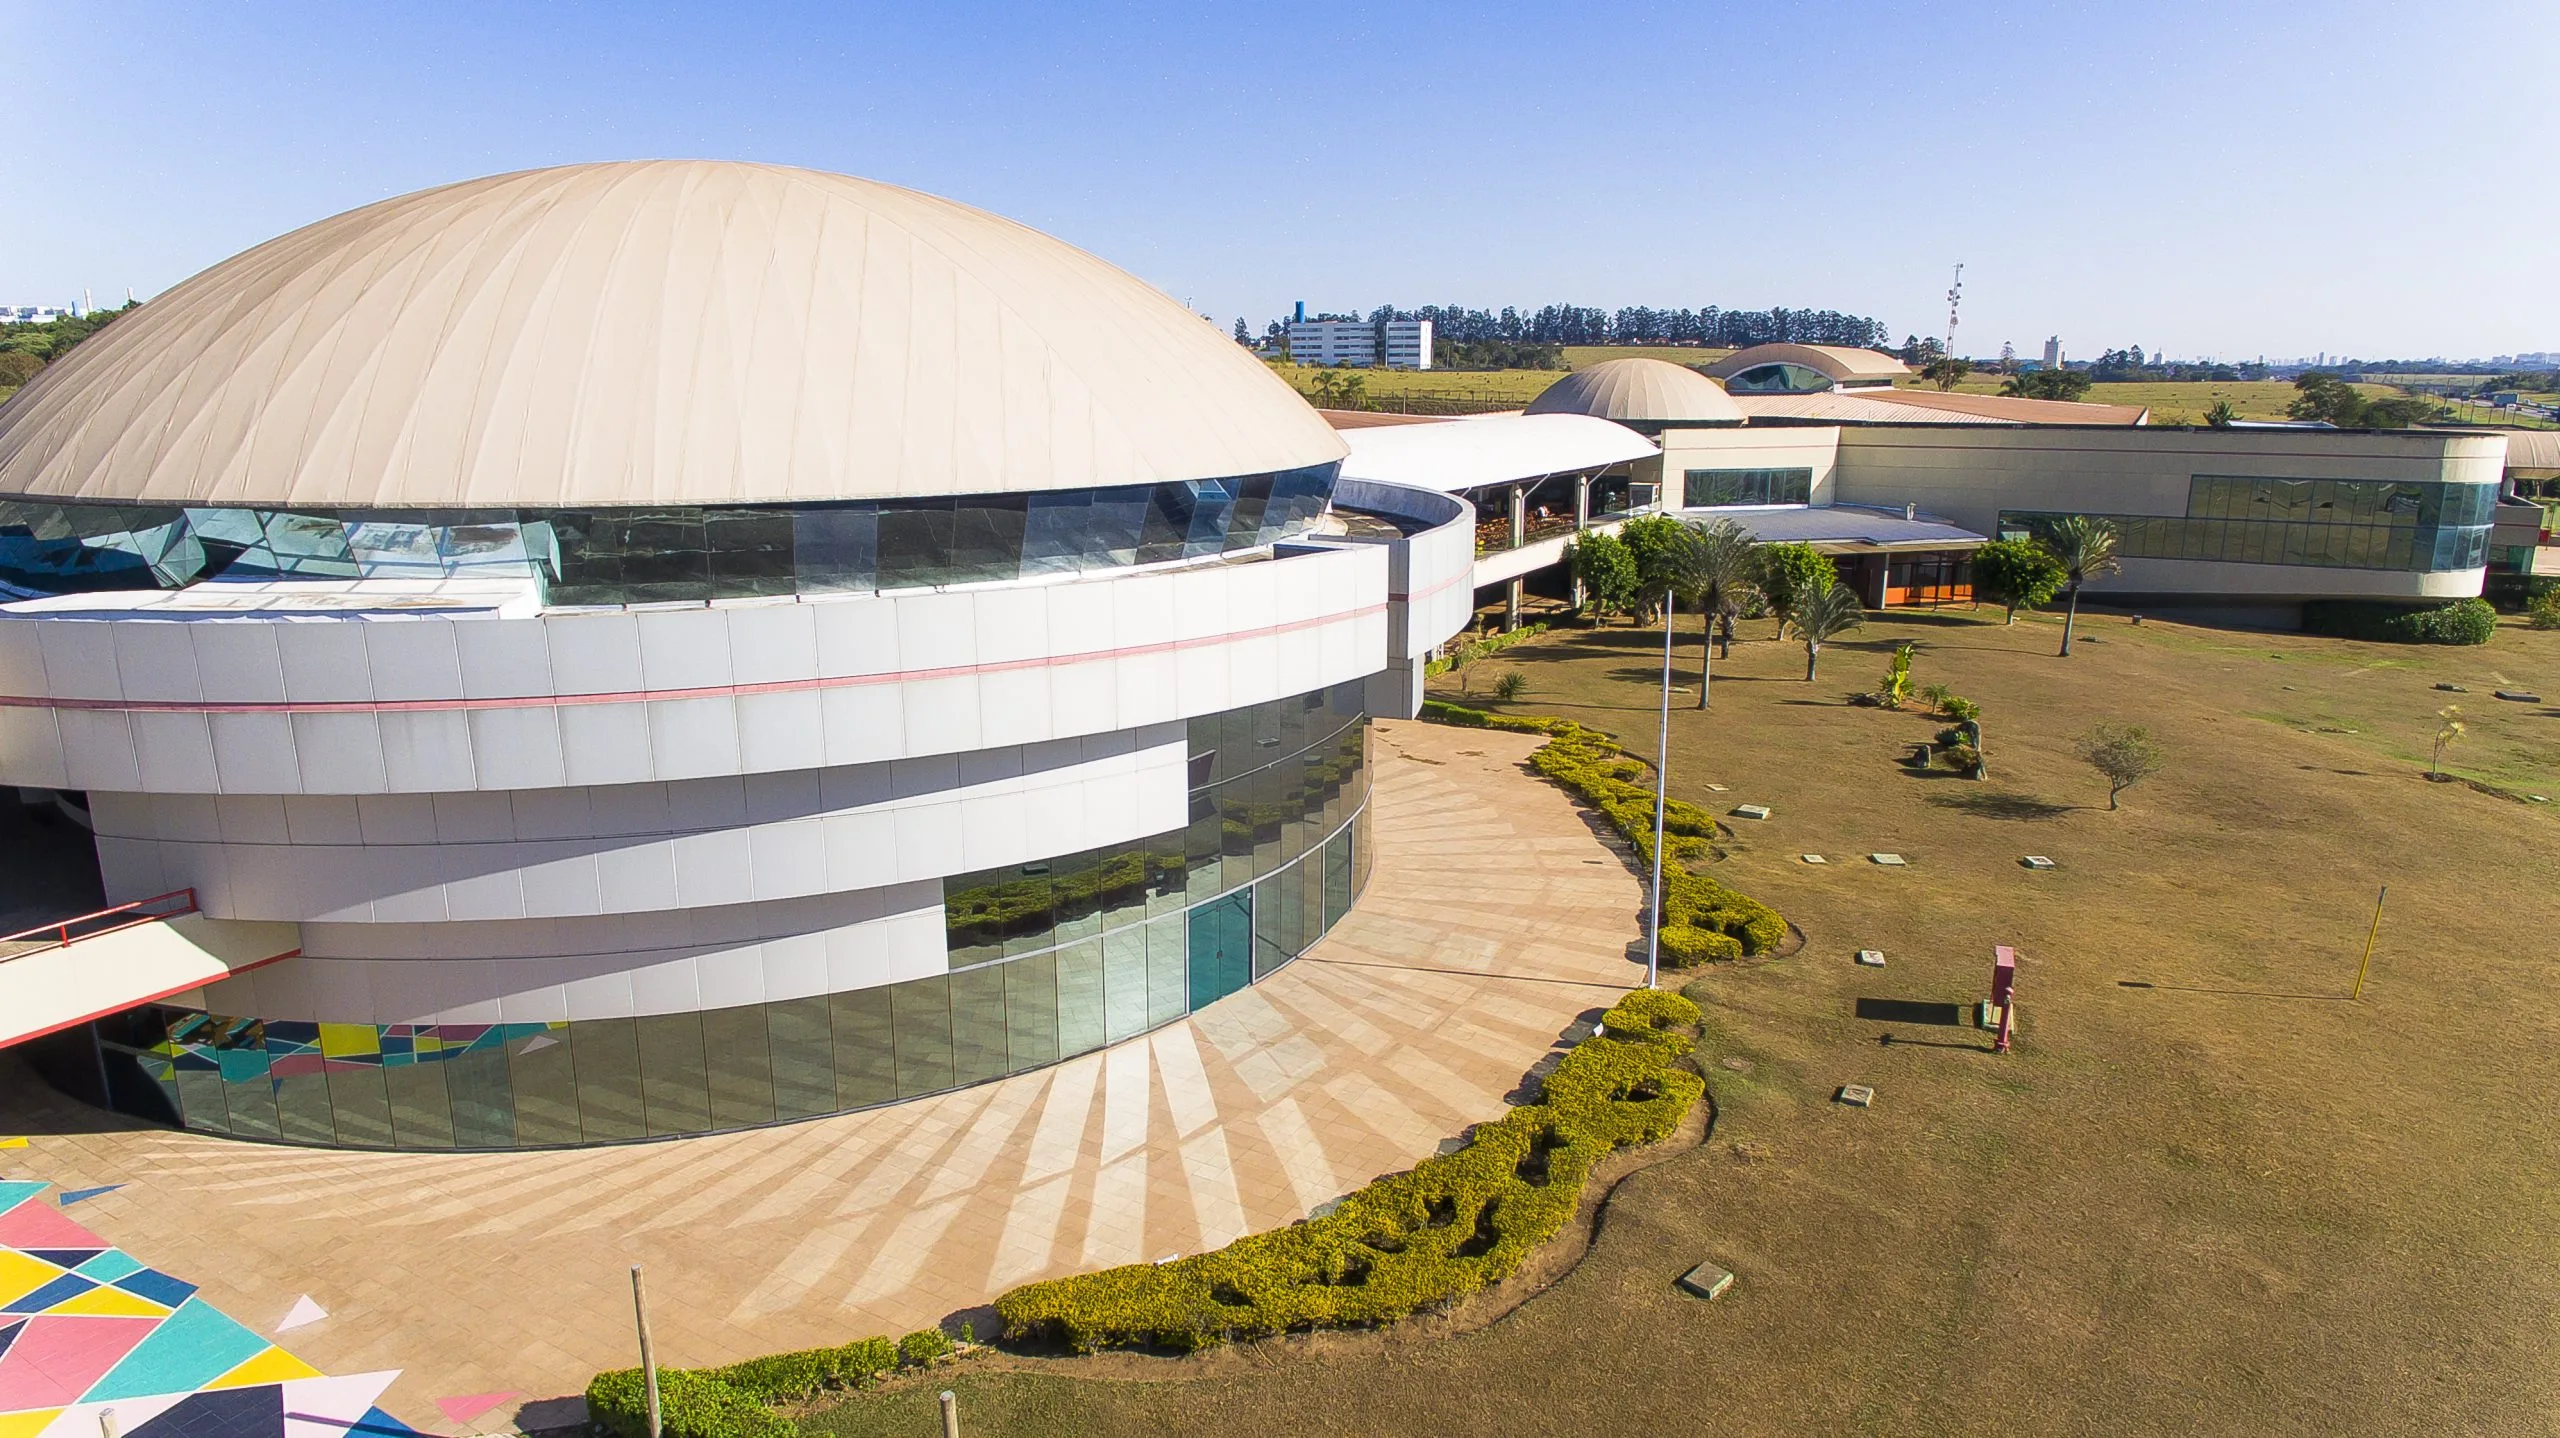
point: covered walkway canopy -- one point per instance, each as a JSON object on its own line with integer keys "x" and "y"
{"x": 1462, "y": 454}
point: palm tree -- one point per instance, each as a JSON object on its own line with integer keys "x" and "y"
{"x": 1821, "y": 614}
{"x": 2085, "y": 548}
{"x": 1710, "y": 570}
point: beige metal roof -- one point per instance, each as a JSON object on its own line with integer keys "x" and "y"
{"x": 650, "y": 332}
{"x": 2533, "y": 449}
{"x": 1862, "y": 407}
{"x": 1639, "y": 391}
{"x": 1841, "y": 364}
{"x": 2011, "y": 407}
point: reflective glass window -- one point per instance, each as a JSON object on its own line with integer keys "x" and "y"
{"x": 1087, "y": 996}
{"x": 421, "y": 1109}
{"x": 737, "y": 1057}
{"x": 866, "y": 1046}
{"x": 921, "y": 1009}
{"x": 835, "y": 550}
{"x": 608, "y": 1088}
{"x": 1030, "y": 1004}
{"x": 977, "y": 1021}
{"x": 801, "y": 1040}
{"x": 482, "y": 1097}
{"x": 675, "y": 1082}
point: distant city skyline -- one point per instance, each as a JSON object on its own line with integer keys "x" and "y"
{"x": 2219, "y": 182}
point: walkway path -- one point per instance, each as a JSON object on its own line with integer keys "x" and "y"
{"x": 1494, "y": 918}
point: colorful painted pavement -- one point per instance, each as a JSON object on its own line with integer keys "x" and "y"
{"x": 86, "y": 1329}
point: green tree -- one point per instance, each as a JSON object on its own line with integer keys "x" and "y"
{"x": 2124, "y": 753}
{"x": 1711, "y": 569}
{"x": 1244, "y": 336}
{"x": 17, "y": 367}
{"x": 2085, "y": 548}
{"x": 1651, "y": 540}
{"x": 1606, "y": 571}
{"x": 1946, "y": 371}
{"x": 1823, "y": 614}
{"x": 2065, "y": 384}
{"x": 2221, "y": 415}
{"x": 1790, "y": 571}
{"x": 2016, "y": 574}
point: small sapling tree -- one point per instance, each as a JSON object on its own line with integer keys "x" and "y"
{"x": 2125, "y": 754}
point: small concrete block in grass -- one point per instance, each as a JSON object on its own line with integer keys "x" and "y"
{"x": 2037, "y": 861}
{"x": 2518, "y": 696}
{"x": 1871, "y": 958}
{"x": 1856, "y": 1095}
{"x": 1716, "y": 789}
{"x": 1813, "y": 858}
{"x": 1890, "y": 861}
{"x": 1751, "y": 811}
{"x": 1707, "y": 1281}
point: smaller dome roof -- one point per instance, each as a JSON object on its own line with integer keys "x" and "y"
{"x": 1639, "y": 391}
{"x": 1841, "y": 365}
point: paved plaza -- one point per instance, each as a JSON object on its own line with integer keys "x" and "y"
{"x": 493, "y": 1281}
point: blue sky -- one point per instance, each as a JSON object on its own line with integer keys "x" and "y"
{"x": 2225, "y": 179}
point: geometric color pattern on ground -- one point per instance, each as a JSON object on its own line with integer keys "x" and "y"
{"x": 1494, "y": 920}
{"x": 85, "y": 1327}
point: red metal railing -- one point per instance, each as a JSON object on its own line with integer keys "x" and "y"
{"x": 105, "y": 921}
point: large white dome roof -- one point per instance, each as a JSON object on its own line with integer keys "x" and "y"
{"x": 650, "y": 333}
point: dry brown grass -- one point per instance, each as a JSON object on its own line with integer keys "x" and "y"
{"x": 2230, "y": 1203}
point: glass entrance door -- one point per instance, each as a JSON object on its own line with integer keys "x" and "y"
{"x": 1221, "y": 948}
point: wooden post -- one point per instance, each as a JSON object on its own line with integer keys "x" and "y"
{"x": 648, "y": 1358}
{"x": 2370, "y": 935}
{"x": 950, "y": 1414}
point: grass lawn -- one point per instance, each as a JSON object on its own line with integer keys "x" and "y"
{"x": 2177, "y": 403}
{"x": 1585, "y": 356}
{"x": 1510, "y": 386}
{"x": 2225, "y": 1203}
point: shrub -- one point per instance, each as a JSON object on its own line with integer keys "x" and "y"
{"x": 1960, "y": 708}
{"x": 690, "y": 1405}
{"x": 1511, "y": 686}
{"x": 2544, "y": 613}
{"x": 1470, "y": 650}
{"x": 2465, "y": 621}
{"x": 1420, "y": 1239}
{"x": 924, "y": 1346}
{"x": 1937, "y": 697}
{"x": 1961, "y": 757}
{"x": 2504, "y": 590}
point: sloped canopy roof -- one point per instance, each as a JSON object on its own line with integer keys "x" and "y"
{"x": 646, "y": 333}
{"x": 1840, "y": 363}
{"x": 1457, "y": 454}
{"x": 1639, "y": 391}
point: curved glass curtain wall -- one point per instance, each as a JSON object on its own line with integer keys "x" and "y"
{"x": 658, "y": 555}
{"x": 1102, "y": 947}
{"x": 2425, "y": 526}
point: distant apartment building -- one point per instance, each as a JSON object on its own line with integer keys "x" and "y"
{"x": 36, "y": 314}
{"x": 1398, "y": 344}
{"x": 2053, "y": 352}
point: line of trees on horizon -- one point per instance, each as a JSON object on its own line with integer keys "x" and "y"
{"x": 1711, "y": 326}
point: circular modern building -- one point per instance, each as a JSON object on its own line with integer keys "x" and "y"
{"x": 679, "y": 646}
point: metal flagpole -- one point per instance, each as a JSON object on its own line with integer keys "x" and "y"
{"x": 648, "y": 1359}
{"x": 2374, "y": 933}
{"x": 1661, "y": 787}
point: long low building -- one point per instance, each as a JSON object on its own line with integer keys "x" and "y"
{"x": 646, "y": 649}
{"x": 2246, "y": 522}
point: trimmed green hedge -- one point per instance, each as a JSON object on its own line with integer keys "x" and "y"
{"x": 732, "y": 1402}
{"x": 2464, "y": 621}
{"x": 1702, "y": 920}
{"x": 1420, "y": 1239}
{"x": 1471, "y": 650}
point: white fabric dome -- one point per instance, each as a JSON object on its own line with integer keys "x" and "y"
{"x": 1639, "y": 391}
{"x": 650, "y": 333}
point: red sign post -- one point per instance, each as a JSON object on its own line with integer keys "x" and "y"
{"x": 2004, "y": 992}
